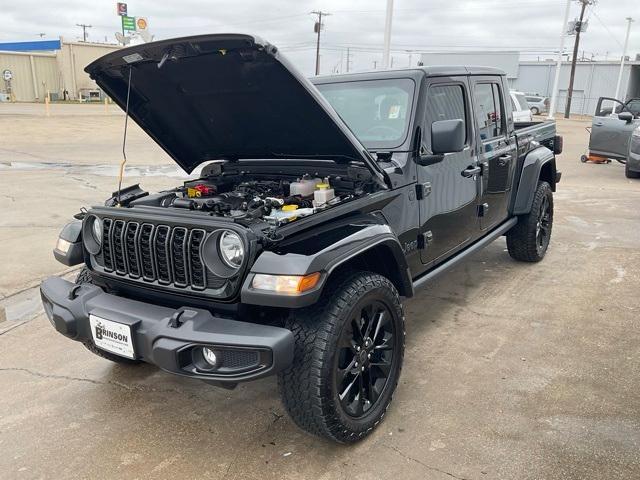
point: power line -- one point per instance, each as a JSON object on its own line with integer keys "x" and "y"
{"x": 605, "y": 27}
{"x": 579, "y": 26}
{"x": 84, "y": 30}
{"x": 317, "y": 28}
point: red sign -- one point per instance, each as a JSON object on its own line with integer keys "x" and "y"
{"x": 122, "y": 9}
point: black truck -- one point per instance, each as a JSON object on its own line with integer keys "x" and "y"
{"x": 318, "y": 206}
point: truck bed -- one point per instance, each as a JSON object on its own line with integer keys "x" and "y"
{"x": 542, "y": 132}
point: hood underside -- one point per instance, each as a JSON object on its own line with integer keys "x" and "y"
{"x": 225, "y": 96}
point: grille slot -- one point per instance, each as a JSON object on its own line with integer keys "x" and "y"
{"x": 117, "y": 240}
{"x": 145, "y": 243}
{"x": 161, "y": 252}
{"x": 130, "y": 244}
{"x": 106, "y": 251}
{"x": 179, "y": 256}
{"x": 196, "y": 265}
{"x": 156, "y": 253}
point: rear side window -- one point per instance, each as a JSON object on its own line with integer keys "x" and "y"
{"x": 446, "y": 102}
{"x": 489, "y": 110}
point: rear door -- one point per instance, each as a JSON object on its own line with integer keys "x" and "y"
{"x": 496, "y": 149}
{"x": 609, "y": 135}
{"x": 448, "y": 205}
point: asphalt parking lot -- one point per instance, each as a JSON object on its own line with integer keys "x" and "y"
{"x": 512, "y": 371}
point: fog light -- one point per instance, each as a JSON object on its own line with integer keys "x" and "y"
{"x": 209, "y": 356}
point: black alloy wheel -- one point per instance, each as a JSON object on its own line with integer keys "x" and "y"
{"x": 543, "y": 226}
{"x": 365, "y": 358}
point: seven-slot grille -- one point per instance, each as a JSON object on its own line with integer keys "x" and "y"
{"x": 144, "y": 251}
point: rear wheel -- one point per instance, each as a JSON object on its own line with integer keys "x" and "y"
{"x": 85, "y": 277}
{"x": 529, "y": 239}
{"x": 348, "y": 357}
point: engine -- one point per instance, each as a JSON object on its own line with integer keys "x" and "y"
{"x": 276, "y": 202}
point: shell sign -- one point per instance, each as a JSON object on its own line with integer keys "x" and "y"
{"x": 141, "y": 23}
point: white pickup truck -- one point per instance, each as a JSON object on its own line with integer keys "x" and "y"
{"x": 520, "y": 107}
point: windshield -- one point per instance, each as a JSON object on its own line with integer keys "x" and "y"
{"x": 376, "y": 111}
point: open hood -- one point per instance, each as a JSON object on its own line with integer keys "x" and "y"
{"x": 226, "y": 96}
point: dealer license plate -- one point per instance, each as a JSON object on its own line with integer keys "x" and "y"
{"x": 112, "y": 336}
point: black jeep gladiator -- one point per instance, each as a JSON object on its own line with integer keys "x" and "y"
{"x": 318, "y": 207}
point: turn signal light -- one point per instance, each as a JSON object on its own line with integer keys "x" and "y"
{"x": 287, "y": 284}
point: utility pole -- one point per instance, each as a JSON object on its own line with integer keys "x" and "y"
{"x": 556, "y": 80}
{"x": 574, "y": 59}
{"x": 348, "y": 60}
{"x": 316, "y": 28}
{"x": 84, "y": 30}
{"x": 387, "y": 35}
{"x": 624, "y": 54}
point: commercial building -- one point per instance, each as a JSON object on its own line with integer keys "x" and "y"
{"x": 54, "y": 66}
{"x": 593, "y": 79}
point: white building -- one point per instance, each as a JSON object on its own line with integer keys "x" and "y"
{"x": 592, "y": 81}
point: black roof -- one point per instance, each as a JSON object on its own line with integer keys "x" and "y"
{"x": 416, "y": 72}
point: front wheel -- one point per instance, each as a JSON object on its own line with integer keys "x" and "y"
{"x": 630, "y": 173}
{"x": 535, "y": 111}
{"x": 348, "y": 357}
{"x": 529, "y": 239}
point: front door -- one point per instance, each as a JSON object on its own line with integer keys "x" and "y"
{"x": 496, "y": 150}
{"x": 448, "y": 206}
{"x": 609, "y": 135}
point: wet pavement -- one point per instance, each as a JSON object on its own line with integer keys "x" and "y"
{"x": 511, "y": 370}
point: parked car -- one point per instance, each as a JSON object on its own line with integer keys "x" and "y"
{"x": 611, "y": 132}
{"x": 617, "y": 106}
{"x": 321, "y": 206}
{"x": 537, "y": 104}
{"x": 520, "y": 107}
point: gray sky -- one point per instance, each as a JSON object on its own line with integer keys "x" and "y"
{"x": 532, "y": 27}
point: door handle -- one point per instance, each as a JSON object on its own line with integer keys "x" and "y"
{"x": 503, "y": 160}
{"x": 598, "y": 124}
{"x": 471, "y": 171}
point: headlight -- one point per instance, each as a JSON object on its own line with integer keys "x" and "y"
{"x": 231, "y": 249}
{"x": 92, "y": 234}
{"x": 96, "y": 230}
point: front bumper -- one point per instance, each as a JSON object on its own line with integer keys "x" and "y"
{"x": 167, "y": 337}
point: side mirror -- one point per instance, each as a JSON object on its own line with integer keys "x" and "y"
{"x": 626, "y": 117}
{"x": 447, "y": 136}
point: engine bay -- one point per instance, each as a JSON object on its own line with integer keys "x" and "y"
{"x": 251, "y": 199}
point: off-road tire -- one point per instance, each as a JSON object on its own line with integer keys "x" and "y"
{"x": 85, "y": 277}
{"x": 522, "y": 239}
{"x": 630, "y": 173}
{"x": 307, "y": 386}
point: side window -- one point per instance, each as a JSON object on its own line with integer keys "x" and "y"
{"x": 489, "y": 110}
{"x": 445, "y": 102}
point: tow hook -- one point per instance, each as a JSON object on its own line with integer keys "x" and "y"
{"x": 73, "y": 293}
{"x": 177, "y": 318}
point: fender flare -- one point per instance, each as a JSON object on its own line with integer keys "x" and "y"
{"x": 531, "y": 168}
{"x": 348, "y": 248}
